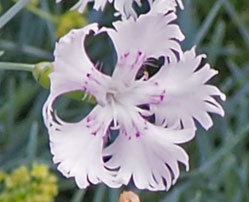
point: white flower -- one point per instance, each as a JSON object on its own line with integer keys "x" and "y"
{"x": 188, "y": 97}
{"x": 144, "y": 151}
{"x": 125, "y": 8}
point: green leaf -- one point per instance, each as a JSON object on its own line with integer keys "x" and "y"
{"x": 208, "y": 22}
{"x": 78, "y": 196}
{"x": 99, "y": 195}
{"x": 32, "y": 143}
{"x": 6, "y": 17}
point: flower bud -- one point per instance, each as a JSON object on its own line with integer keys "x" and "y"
{"x": 41, "y": 72}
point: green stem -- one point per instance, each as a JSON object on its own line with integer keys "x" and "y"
{"x": 7, "y": 16}
{"x": 16, "y": 66}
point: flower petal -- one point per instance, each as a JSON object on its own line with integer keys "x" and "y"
{"x": 147, "y": 153}
{"x": 71, "y": 61}
{"x": 153, "y": 36}
{"x": 77, "y": 147}
{"x": 125, "y": 8}
{"x": 143, "y": 93}
{"x": 164, "y": 6}
{"x": 137, "y": 40}
{"x": 73, "y": 69}
{"x": 187, "y": 96}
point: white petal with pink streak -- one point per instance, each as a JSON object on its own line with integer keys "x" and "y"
{"x": 188, "y": 97}
{"x": 77, "y": 147}
{"x": 146, "y": 153}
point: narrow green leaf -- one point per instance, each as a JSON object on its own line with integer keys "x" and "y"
{"x": 99, "y": 194}
{"x": 114, "y": 195}
{"x": 238, "y": 21}
{"x": 208, "y": 22}
{"x": 42, "y": 14}
{"x": 6, "y": 17}
{"x": 231, "y": 143}
{"x": 174, "y": 194}
{"x": 10, "y": 106}
{"x": 204, "y": 146}
{"x": 32, "y": 144}
{"x": 236, "y": 72}
{"x": 78, "y": 196}
{"x": 27, "y": 49}
{"x": 216, "y": 42}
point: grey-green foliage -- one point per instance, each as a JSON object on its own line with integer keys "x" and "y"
{"x": 219, "y": 158}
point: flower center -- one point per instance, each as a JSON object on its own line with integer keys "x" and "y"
{"x": 115, "y": 91}
{"x": 114, "y": 99}
{"x": 110, "y": 97}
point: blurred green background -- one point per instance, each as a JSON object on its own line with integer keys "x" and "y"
{"x": 219, "y": 158}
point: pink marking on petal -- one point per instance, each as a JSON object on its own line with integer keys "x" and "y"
{"x": 161, "y": 97}
{"x": 88, "y": 119}
{"x": 94, "y": 133}
{"x": 137, "y": 58}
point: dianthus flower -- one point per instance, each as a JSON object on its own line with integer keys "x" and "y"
{"x": 125, "y": 8}
{"x": 146, "y": 151}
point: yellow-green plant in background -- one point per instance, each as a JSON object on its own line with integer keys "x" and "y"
{"x": 70, "y": 20}
{"x": 28, "y": 185}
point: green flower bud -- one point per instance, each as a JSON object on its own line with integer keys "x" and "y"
{"x": 41, "y": 72}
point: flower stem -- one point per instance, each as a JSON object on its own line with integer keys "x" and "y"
{"x": 16, "y": 66}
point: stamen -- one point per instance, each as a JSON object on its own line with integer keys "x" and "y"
{"x": 99, "y": 66}
{"x": 115, "y": 122}
{"x": 115, "y": 127}
{"x": 146, "y": 75}
{"x": 143, "y": 112}
{"x": 85, "y": 96}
